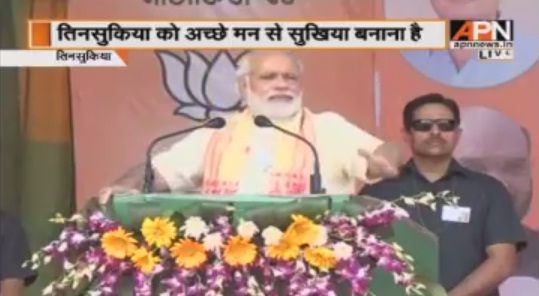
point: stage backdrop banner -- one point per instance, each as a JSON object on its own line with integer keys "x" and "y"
{"x": 118, "y": 111}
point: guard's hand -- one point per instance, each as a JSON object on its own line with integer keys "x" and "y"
{"x": 106, "y": 193}
{"x": 379, "y": 166}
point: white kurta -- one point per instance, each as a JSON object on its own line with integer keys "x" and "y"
{"x": 337, "y": 142}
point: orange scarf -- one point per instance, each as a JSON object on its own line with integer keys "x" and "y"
{"x": 229, "y": 148}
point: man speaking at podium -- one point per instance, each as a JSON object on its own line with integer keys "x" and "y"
{"x": 248, "y": 157}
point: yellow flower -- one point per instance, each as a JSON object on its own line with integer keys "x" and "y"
{"x": 144, "y": 260}
{"x": 239, "y": 251}
{"x": 321, "y": 257}
{"x": 159, "y": 231}
{"x": 118, "y": 243}
{"x": 188, "y": 253}
{"x": 302, "y": 231}
{"x": 284, "y": 250}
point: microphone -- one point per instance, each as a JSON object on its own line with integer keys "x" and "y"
{"x": 316, "y": 178}
{"x": 216, "y": 123}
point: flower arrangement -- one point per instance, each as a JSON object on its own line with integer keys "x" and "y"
{"x": 197, "y": 257}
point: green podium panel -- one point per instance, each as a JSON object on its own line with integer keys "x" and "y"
{"x": 265, "y": 210}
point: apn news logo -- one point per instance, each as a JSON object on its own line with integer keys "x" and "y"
{"x": 494, "y": 39}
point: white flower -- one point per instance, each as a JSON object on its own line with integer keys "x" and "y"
{"x": 433, "y": 206}
{"x": 427, "y": 199}
{"x": 397, "y": 247}
{"x": 48, "y": 290}
{"x": 408, "y": 200}
{"x": 343, "y": 251}
{"x": 213, "y": 241}
{"x": 322, "y": 237}
{"x": 300, "y": 267}
{"x": 77, "y": 218}
{"x": 444, "y": 193}
{"x": 404, "y": 278}
{"x": 47, "y": 259}
{"x": 272, "y": 235}
{"x": 63, "y": 235}
{"x": 88, "y": 272}
{"x": 101, "y": 269}
{"x": 247, "y": 229}
{"x": 195, "y": 227}
{"x": 68, "y": 265}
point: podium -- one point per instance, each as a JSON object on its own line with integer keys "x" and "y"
{"x": 417, "y": 241}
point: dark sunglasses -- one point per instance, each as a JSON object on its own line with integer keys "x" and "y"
{"x": 425, "y": 125}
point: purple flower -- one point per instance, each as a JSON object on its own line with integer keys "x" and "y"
{"x": 284, "y": 269}
{"x": 222, "y": 225}
{"x": 99, "y": 223}
{"x": 321, "y": 285}
{"x": 384, "y": 216}
{"x": 174, "y": 285}
{"x": 298, "y": 285}
{"x": 241, "y": 280}
{"x": 342, "y": 227}
{"x": 216, "y": 275}
{"x": 358, "y": 251}
{"x": 52, "y": 249}
{"x": 108, "y": 283}
{"x": 391, "y": 264}
{"x": 143, "y": 284}
{"x": 356, "y": 274}
{"x": 72, "y": 237}
{"x": 377, "y": 248}
{"x": 94, "y": 256}
{"x": 178, "y": 281}
{"x": 197, "y": 289}
{"x": 77, "y": 239}
{"x": 110, "y": 278}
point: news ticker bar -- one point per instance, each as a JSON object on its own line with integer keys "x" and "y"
{"x": 72, "y": 34}
{"x": 62, "y": 58}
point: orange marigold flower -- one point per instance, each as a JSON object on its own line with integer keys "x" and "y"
{"x": 239, "y": 251}
{"x": 189, "y": 253}
{"x": 118, "y": 243}
{"x": 302, "y": 231}
{"x": 284, "y": 250}
{"x": 321, "y": 257}
{"x": 144, "y": 260}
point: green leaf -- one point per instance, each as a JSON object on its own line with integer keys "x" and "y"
{"x": 177, "y": 218}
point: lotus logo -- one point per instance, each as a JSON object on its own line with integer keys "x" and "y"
{"x": 204, "y": 88}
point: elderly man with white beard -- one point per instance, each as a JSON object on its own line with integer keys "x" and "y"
{"x": 242, "y": 158}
